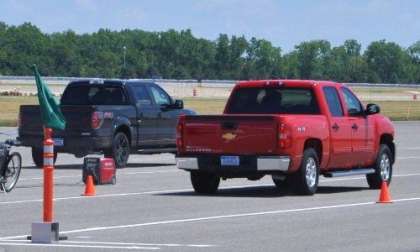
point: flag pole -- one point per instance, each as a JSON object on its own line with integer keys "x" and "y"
{"x": 47, "y": 231}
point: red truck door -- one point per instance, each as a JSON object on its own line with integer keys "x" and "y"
{"x": 361, "y": 130}
{"x": 340, "y": 135}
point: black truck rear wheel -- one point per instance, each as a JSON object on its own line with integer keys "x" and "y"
{"x": 204, "y": 183}
{"x": 120, "y": 150}
{"x": 38, "y": 156}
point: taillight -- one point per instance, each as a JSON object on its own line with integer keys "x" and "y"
{"x": 179, "y": 129}
{"x": 97, "y": 120}
{"x": 284, "y": 136}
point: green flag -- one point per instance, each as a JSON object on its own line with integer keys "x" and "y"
{"x": 50, "y": 110}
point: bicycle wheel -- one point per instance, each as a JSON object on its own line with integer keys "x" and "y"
{"x": 12, "y": 172}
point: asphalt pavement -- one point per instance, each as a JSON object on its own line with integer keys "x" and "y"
{"x": 153, "y": 207}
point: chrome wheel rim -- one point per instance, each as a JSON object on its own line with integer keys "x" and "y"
{"x": 311, "y": 171}
{"x": 385, "y": 167}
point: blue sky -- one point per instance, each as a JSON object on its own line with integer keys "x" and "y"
{"x": 285, "y": 23}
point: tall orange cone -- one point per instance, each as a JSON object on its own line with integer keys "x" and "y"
{"x": 90, "y": 187}
{"x": 384, "y": 196}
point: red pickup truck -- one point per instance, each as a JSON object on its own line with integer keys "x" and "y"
{"x": 293, "y": 130}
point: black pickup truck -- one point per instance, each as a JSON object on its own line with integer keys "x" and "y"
{"x": 115, "y": 117}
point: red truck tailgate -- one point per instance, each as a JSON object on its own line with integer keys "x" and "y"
{"x": 235, "y": 134}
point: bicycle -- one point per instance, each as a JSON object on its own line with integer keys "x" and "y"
{"x": 10, "y": 166}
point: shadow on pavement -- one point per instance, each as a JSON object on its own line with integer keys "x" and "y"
{"x": 79, "y": 166}
{"x": 40, "y": 185}
{"x": 59, "y": 167}
{"x": 265, "y": 192}
{"x": 143, "y": 165}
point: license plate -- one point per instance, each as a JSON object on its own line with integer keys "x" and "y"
{"x": 229, "y": 160}
{"x": 58, "y": 141}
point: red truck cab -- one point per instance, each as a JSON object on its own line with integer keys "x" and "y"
{"x": 294, "y": 130}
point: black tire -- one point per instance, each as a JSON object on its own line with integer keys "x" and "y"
{"x": 120, "y": 150}
{"x": 38, "y": 156}
{"x": 305, "y": 180}
{"x": 204, "y": 183}
{"x": 383, "y": 162}
{"x": 12, "y": 171}
{"x": 281, "y": 183}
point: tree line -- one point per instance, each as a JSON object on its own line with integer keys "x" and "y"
{"x": 180, "y": 55}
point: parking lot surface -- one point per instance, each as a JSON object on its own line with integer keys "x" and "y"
{"x": 153, "y": 207}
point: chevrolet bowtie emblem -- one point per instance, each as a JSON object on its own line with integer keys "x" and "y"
{"x": 228, "y": 136}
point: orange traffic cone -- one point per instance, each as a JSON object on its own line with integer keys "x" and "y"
{"x": 90, "y": 187}
{"x": 384, "y": 196}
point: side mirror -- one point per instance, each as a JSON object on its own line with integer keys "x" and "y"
{"x": 178, "y": 104}
{"x": 372, "y": 109}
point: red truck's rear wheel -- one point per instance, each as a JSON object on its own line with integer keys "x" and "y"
{"x": 281, "y": 182}
{"x": 204, "y": 182}
{"x": 305, "y": 180}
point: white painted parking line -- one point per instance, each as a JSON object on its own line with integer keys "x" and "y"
{"x": 61, "y": 245}
{"x": 143, "y": 244}
{"x": 359, "y": 178}
{"x": 125, "y": 244}
{"x": 119, "y": 174}
{"x": 55, "y": 177}
{"x": 218, "y": 217}
{"x": 119, "y": 195}
{"x": 182, "y": 190}
{"x": 409, "y": 148}
{"x": 411, "y": 157}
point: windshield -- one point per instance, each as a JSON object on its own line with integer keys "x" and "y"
{"x": 90, "y": 94}
{"x": 271, "y": 100}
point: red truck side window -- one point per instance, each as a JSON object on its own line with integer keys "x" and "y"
{"x": 333, "y": 101}
{"x": 353, "y": 104}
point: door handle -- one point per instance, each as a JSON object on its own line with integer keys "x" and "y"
{"x": 335, "y": 126}
{"x": 354, "y": 126}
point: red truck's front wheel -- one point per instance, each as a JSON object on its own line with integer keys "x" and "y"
{"x": 383, "y": 168}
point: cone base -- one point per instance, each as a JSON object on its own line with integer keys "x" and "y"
{"x": 384, "y": 202}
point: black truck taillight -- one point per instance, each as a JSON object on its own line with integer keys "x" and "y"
{"x": 97, "y": 120}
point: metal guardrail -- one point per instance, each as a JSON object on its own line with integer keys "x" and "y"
{"x": 205, "y": 83}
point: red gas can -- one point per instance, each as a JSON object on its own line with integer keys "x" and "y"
{"x": 102, "y": 170}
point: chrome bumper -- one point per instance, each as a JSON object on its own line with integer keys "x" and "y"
{"x": 264, "y": 163}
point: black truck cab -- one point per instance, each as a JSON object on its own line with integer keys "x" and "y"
{"x": 114, "y": 117}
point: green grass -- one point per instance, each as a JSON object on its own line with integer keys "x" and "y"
{"x": 396, "y": 110}
{"x": 9, "y": 108}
